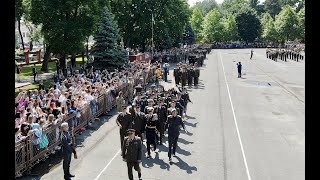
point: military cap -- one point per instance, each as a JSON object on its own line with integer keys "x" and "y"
{"x": 131, "y": 130}
{"x": 173, "y": 109}
{"x": 150, "y": 108}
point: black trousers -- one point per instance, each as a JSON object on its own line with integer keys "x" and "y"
{"x": 172, "y": 145}
{"x": 195, "y": 81}
{"x": 66, "y": 165}
{"x": 121, "y": 139}
{"x": 239, "y": 73}
{"x": 148, "y": 146}
{"x": 34, "y": 77}
{"x": 136, "y": 167}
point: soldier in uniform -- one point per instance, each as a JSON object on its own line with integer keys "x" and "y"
{"x": 162, "y": 116}
{"x": 67, "y": 150}
{"x": 181, "y": 104}
{"x": 131, "y": 153}
{"x": 151, "y": 130}
{"x": 167, "y": 99}
{"x": 176, "y": 75}
{"x": 124, "y": 122}
{"x": 139, "y": 121}
{"x": 196, "y": 75}
{"x": 184, "y": 77}
{"x": 173, "y": 106}
{"x": 186, "y": 98}
{"x": 190, "y": 76}
{"x": 150, "y": 104}
{"x": 173, "y": 126}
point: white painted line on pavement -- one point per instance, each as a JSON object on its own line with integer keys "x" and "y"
{"x": 235, "y": 121}
{"x": 107, "y": 165}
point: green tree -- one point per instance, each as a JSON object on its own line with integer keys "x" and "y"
{"x": 64, "y": 25}
{"x": 205, "y": 6}
{"x": 253, "y": 3}
{"x": 287, "y": 24}
{"x": 212, "y": 27}
{"x": 273, "y": 7}
{"x": 269, "y": 31}
{"x": 134, "y": 19}
{"x": 291, "y": 3}
{"x": 249, "y": 26}
{"x": 230, "y": 29}
{"x": 188, "y": 36}
{"x": 107, "y": 53}
{"x": 234, "y": 6}
{"x": 196, "y": 23}
{"x": 19, "y": 11}
{"x": 301, "y": 18}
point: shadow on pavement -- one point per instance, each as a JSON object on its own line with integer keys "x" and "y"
{"x": 190, "y": 124}
{"x": 184, "y": 166}
{"x": 182, "y": 151}
{"x": 183, "y": 141}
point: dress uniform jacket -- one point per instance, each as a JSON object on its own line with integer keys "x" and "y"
{"x": 125, "y": 120}
{"x": 131, "y": 151}
{"x": 173, "y": 125}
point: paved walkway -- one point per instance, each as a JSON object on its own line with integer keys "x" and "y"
{"x": 29, "y": 79}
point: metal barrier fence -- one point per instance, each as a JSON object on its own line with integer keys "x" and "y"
{"x": 27, "y": 154}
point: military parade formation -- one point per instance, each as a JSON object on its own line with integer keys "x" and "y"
{"x": 155, "y": 111}
{"x": 292, "y": 52}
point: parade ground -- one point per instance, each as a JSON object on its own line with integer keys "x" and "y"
{"x": 249, "y": 128}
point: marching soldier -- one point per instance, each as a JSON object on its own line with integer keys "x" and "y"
{"x": 151, "y": 130}
{"x": 183, "y": 77}
{"x": 190, "y": 76}
{"x": 67, "y": 150}
{"x": 173, "y": 126}
{"x": 186, "y": 98}
{"x": 196, "y": 75}
{"x": 150, "y": 104}
{"x": 176, "y": 75}
{"x": 131, "y": 153}
{"x": 124, "y": 122}
{"x": 173, "y": 106}
{"x": 139, "y": 121}
{"x": 181, "y": 104}
{"x": 162, "y": 116}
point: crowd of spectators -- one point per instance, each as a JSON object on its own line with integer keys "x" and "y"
{"x": 38, "y": 109}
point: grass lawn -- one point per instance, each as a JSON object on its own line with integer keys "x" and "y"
{"x": 34, "y": 86}
{"x": 27, "y": 69}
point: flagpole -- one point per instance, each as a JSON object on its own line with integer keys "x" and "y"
{"x": 152, "y": 21}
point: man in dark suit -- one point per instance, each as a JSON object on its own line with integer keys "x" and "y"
{"x": 34, "y": 72}
{"x": 67, "y": 150}
{"x": 131, "y": 153}
{"x": 124, "y": 121}
{"x": 173, "y": 126}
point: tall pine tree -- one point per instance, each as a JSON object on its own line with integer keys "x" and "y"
{"x": 107, "y": 53}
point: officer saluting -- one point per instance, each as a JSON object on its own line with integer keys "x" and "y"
{"x": 173, "y": 126}
{"x": 67, "y": 150}
{"x": 131, "y": 153}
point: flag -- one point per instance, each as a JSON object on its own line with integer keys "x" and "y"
{"x": 153, "y": 20}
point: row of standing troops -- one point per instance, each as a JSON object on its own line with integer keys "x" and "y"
{"x": 283, "y": 55}
{"x": 184, "y": 74}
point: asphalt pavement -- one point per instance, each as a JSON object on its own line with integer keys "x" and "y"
{"x": 249, "y": 128}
